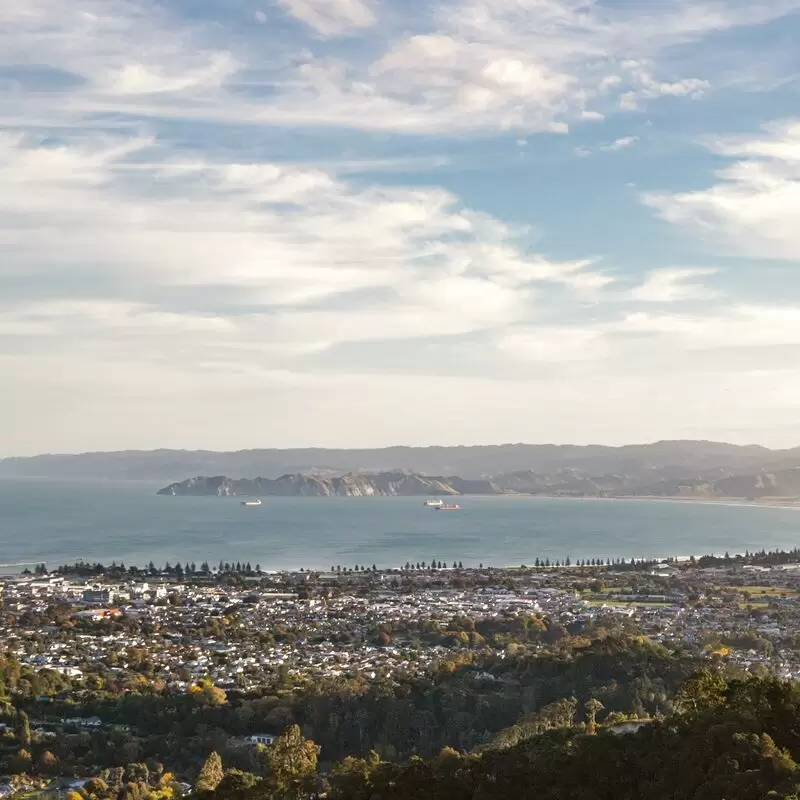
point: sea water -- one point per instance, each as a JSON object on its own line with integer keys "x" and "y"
{"x": 57, "y": 522}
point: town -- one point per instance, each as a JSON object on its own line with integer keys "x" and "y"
{"x": 84, "y": 639}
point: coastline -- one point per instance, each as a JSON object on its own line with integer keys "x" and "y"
{"x": 760, "y": 502}
{"x": 770, "y": 502}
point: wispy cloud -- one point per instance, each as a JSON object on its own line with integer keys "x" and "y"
{"x": 268, "y": 242}
{"x": 623, "y": 143}
{"x": 673, "y": 285}
{"x": 752, "y": 208}
{"x": 463, "y": 66}
{"x": 332, "y": 17}
{"x": 254, "y": 191}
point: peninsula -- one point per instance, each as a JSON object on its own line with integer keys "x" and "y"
{"x": 783, "y": 485}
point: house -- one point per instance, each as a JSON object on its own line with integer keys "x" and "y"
{"x": 623, "y": 728}
{"x": 102, "y": 596}
{"x": 261, "y": 738}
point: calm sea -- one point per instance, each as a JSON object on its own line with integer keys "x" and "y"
{"x": 60, "y": 521}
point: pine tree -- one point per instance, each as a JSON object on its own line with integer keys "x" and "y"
{"x": 23, "y": 729}
{"x": 291, "y": 766}
{"x": 211, "y": 774}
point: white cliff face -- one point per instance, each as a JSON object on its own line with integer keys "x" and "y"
{"x": 351, "y": 485}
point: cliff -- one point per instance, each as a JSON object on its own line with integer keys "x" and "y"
{"x": 570, "y": 482}
{"x": 349, "y": 485}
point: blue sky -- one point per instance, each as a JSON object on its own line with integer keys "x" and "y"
{"x": 364, "y": 222}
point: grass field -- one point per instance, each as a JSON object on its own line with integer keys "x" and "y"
{"x": 759, "y": 591}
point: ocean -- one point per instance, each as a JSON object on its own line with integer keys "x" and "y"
{"x": 57, "y": 522}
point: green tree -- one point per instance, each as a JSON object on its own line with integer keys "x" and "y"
{"x": 211, "y": 774}
{"x": 291, "y": 765}
{"x": 21, "y": 763}
{"x": 23, "y": 729}
{"x": 235, "y": 784}
{"x": 592, "y": 707}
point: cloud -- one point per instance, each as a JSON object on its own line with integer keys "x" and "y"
{"x": 623, "y": 143}
{"x": 261, "y": 247}
{"x": 461, "y": 66}
{"x": 751, "y": 209}
{"x": 676, "y": 343}
{"x": 673, "y": 285}
{"x": 332, "y": 17}
{"x": 159, "y": 267}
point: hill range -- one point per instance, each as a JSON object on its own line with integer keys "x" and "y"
{"x": 699, "y": 469}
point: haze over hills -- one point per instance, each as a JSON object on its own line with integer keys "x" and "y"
{"x": 778, "y": 484}
{"x": 666, "y": 468}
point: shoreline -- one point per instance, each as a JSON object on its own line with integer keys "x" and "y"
{"x": 764, "y": 502}
{"x": 760, "y": 502}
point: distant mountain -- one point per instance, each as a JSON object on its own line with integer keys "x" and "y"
{"x": 300, "y": 485}
{"x": 569, "y": 483}
{"x": 632, "y": 463}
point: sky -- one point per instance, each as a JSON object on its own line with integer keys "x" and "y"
{"x": 250, "y": 223}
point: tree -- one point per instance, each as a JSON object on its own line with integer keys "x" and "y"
{"x": 592, "y": 708}
{"x": 235, "y": 783}
{"x": 96, "y": 786}
{"x": 23, "y": 729}
{"x": 21, "y": 763}
{"x": 47, "y": 763}
{"x": 291, "y": 765}
{"x": 211, "y": 774}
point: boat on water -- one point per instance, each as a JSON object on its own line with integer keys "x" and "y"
{"x": 251, "y": 502}
{"x": 433, "y": 503}
{"x": 448, "y": 507}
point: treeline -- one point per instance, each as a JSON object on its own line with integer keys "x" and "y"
{"x": 205, "y": 570}
{"x": 734, "y": 739}
{"x": 764, "y": 558}
{"x": 177, "y": 570}
{"x": 620, "y": 563}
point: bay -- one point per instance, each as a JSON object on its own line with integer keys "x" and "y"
{"x": 57, "y": 522}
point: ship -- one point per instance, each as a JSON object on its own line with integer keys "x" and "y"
{"x": 433, "y": 503}
{"x": 251, "y": 502}
{"x": 448, "y": 507}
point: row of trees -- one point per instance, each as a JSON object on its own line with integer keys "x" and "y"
{"x": 179, "y": 570}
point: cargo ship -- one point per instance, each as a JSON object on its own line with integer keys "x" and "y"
{"x": 448, "y": 507}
